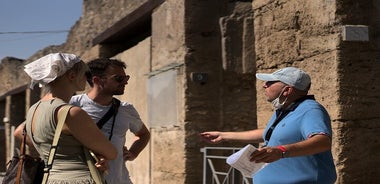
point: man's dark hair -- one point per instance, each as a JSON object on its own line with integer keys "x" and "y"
{"x": 99, "y": 66}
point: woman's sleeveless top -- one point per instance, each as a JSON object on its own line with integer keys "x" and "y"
{"x": 69, "y": 165}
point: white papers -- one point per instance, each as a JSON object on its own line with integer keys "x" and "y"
{"x": 240, "y": 161}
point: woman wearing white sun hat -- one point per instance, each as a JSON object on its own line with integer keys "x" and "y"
{"x": 62, "y": 75}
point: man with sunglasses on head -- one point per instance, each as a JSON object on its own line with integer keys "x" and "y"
{"x": 106, "y": 79}
{"x": 297, "y": 139}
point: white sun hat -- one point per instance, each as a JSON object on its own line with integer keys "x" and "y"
{"x": 47, "y": 68}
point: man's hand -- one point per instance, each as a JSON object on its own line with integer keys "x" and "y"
{"x": 266, "y": 154}
{"x": 102, "y": 164}
{"x": 128, "y": 155}
{"x": 212, "y": 137}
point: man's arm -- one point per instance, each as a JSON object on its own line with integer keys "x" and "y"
{"x": 143, "y": 137}
{"x": 313, "y": 145}
{"x": 253, "y": 136}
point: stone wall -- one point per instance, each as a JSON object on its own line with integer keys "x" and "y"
{"x": 301, "y": 34}
{"x": 10, "y": 78}
{"x": 226, "y": 43}
{"x": 358, "y": 70}
{"x": 308, "y": 34}
{"x": 139, "y": 168}
{"x": 168, "y": 134}
{"x": 219, "y": 45}
{"x": 97, "y": 16}
{"x": 10, "y": 114}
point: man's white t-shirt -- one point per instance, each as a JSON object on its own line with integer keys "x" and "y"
{"x": 127, "y": 118}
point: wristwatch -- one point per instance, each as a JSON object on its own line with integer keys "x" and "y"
{"x": 284, "y": 153}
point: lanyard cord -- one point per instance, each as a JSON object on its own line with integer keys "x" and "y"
{"x": 283, "y": 113}
{"x": 111, "y": 112}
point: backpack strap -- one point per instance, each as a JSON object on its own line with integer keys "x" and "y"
{"x": 61, "y": 120}
{"x": 115, "y": 106}
{"x": 22, "y": 154}
{"x": 112, "y": 111}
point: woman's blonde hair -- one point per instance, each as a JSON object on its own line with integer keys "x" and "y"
{"x": 79, "y": 68}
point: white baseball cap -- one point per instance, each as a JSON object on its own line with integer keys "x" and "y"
{"x": 290, "y": 75}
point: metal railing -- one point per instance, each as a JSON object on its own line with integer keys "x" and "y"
{"x": 217, "y": 171}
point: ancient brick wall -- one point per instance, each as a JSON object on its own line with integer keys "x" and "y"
{"x": 227, "y": 42}
{"x": 358, "y": 70}
{"x": 97, "y": 16}
{"x": 217, "y": 39}
{"x": 10, "y": 78}
{"x": 138, "y": 65}
{"x": 308, "y": 34}
{"x": 301, "y": 34}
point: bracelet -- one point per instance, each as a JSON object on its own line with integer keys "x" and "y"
{"x": 284, "y": 151}
{"x": 282, "y": 148}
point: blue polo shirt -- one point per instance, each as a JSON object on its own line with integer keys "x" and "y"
{"x": 308, "y": 119}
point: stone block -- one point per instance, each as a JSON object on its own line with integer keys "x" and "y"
{"x": 355, "y": 33}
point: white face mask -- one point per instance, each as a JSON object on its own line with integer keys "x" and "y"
{"x": 276, "y": 102}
